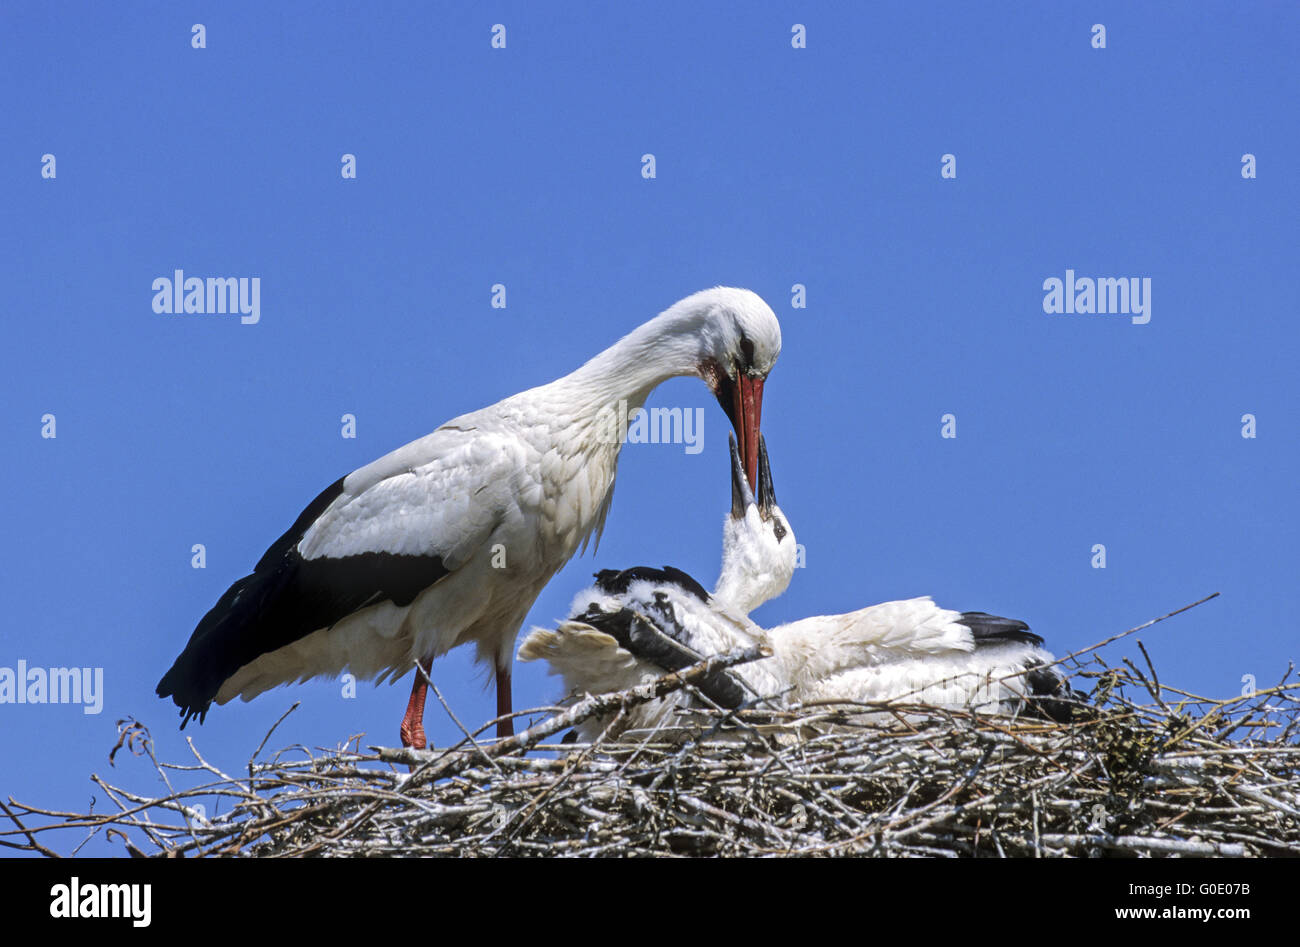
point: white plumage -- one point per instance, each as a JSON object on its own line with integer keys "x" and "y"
{"x": 449, "y": 539}
{"x": 911, "y": 651}
{"x": 914, "y": 652}
{"x": 594, "y": 651}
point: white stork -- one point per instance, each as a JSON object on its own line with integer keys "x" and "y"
{"x": 450, "y": 539}
{"x": 914, "y": 652}
{"x": 632, "y": 626}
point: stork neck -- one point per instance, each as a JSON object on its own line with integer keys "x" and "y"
{"x": 756, "y": 567}
{"x": 732, "y": 590}
{"x": 665, "y": 347}
{"x": 741, "y": 582}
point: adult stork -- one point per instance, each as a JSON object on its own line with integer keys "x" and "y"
{"x": 450, "y": 539}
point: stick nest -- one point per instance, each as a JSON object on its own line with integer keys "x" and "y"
{"x": 1144, "y": 770}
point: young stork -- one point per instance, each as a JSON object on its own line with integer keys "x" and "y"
{"x": 633, "y": 626}
{"x": 915, "y": 652}
{"x": 450, "y": 539}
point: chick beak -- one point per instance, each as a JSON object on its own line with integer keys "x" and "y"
{"x": 766, "y": 489}
{"x": 741, "y": 495}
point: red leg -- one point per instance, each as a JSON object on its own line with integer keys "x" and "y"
{"x": 505, "y": 727}
{"x": 413, "y": 722}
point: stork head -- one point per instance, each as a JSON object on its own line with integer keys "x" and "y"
{"x": 758, "y": 546}
{"x": 739, "y": 340}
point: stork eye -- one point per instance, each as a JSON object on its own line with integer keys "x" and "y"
{"x": 747, "y": 350}
{"x": 778, "y": 528}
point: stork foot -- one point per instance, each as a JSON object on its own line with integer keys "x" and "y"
{"x": 413, "y": 722}
{"x": 413, "y": 735}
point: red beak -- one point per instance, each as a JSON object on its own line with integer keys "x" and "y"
{"x": 747, "y": 412}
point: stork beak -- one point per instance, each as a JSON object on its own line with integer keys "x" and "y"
{"x": 741, "y": 496}
{"x": 766, "y": 489}
{"x": 742, "y": 399}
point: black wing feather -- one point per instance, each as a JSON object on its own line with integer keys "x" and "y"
{"x": 286, "y": 598}
{"x": 1048, "y": 695}
{"x": 989, "y": 629}
{"x": 616, "y": 581}
{"x": 663, "y": 647}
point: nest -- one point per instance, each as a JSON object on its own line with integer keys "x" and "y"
{"x": 1144, "y": 769}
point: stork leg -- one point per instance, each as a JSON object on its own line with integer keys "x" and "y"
{"x": 505, "y": 725}
{"x": 413, "y": 722}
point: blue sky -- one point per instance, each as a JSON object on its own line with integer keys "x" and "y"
{"x": 522, "y": 166}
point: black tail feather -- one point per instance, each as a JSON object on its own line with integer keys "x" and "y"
{"x": 988, "y": 629}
